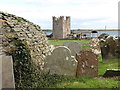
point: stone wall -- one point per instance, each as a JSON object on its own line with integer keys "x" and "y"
{"x": 61, "y": 27}
{"x": 18, "y": 27}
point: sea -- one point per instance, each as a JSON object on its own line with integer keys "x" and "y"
{"x": 111, "y": 33}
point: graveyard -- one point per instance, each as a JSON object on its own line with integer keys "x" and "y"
{"x": 30, "y": 60}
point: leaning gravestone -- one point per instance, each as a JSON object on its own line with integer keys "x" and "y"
{"x": 87, "y": 64}
{"x": 73, "y": 46}
{"x": 7, "y": 72}
{"x": 60, "y": 62}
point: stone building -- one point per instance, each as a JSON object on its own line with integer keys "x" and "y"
{"x": 61, "y": 27}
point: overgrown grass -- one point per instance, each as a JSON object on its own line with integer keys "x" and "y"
{"x": 88, "y": 83}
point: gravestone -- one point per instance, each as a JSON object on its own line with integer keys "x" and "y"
{"x": 7, "y": 72}
{"x": 61, "y": 62}
{"x": 74, "y": 46}
{"x": 87, "y": 64}
{"x": 110, "y": 48}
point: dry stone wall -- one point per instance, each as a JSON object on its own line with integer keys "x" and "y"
{"x": 18, "y": 27}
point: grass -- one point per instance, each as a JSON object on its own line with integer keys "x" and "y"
{"x": 102, "y": 66}
{"x": 61, "y": 42}
{"x": 89, "y": 83}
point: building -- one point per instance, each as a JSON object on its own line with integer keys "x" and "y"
{"x": 61, "y": 27}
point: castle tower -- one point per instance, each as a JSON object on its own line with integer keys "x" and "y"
{"x": 61, "y": 27}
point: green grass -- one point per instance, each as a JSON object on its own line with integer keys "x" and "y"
{"x": 61, "y": 42}
{"x": 102, "y": 66}
{"x": 88, "y": 83}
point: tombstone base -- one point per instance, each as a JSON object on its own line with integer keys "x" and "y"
{"x": 112, "y": 73}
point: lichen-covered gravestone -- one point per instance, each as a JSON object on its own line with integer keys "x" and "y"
{"x": 74, "y": 46}
{"x": 60, "y": 62}
{"x": 110, "y": 48}
{"x": 87, "y": 64}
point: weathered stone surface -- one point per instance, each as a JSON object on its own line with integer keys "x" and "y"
{"x": 112, "y": 73}
{"x": 18, "y": 27}
{"x": 110, "y": 48}
{"x": 61, "y": 27}
{"x": 60, "y": 62}
{"x": 74, "y": 46}
{"x": 7, "y": 72}
{"x": 95, "y": 46}
{"x": 103, "y": 36}
{"x": 87, "y": 64}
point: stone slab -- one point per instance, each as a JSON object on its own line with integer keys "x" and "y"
{"x": 112, "y": 73}
{"x": 7, "y": 72}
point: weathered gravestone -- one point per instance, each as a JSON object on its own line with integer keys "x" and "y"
{"x": 60, "y": 62}
{"x": 74, "y": 46}
{"x": 110, "y": 48}
{"x": 7, "y": 72}
{"x": 87, "y": 64}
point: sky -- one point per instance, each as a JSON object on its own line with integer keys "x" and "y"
{"x": 85, "y": 14}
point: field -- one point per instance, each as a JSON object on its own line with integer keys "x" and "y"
{"x": 87, "y": 82}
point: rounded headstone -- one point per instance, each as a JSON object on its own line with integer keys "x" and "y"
{"x": 74, "y": 46}
{"x": 60, "y": 62}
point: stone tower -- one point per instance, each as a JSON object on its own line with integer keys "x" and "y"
{"x": 61, "y": 27}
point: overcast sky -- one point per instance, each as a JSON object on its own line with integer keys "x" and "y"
{"x": 85, "y": 14}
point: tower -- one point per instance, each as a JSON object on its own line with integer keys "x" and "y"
{"x": 61, "y": 27}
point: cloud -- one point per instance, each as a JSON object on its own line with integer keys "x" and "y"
{"x": 41, "y": 11}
